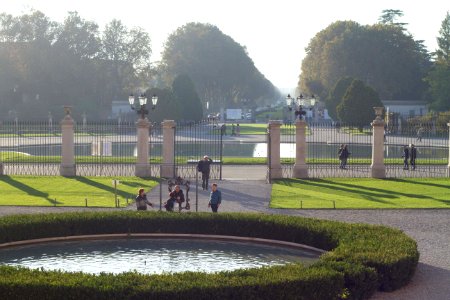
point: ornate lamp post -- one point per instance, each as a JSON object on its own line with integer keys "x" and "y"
{"x": 300, "y": 104}
{"x": 141, "y": 107}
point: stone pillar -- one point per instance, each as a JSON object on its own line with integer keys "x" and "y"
{"x": 67, "y": 167}
{"x": 448, "y": 167}
{"x": 167, "y": 167}
{"x": 142, "y": 165}
{"x": 378, "y": 170}
{"x": 275, "y": 162}
{"x": 300, "y": 167}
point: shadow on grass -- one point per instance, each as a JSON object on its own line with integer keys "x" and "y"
{"x": 107, "y": 188}
{"x": 421, "y": 183}
{"x": 27, "y": 189}
{"x": 368, "y": 193}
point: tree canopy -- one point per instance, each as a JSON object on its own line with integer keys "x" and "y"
{"x": 357, "y": 104}
{"x": 336, "y": 95}
{"x": 220, "y": 68}
{"x": 384, "y": 56}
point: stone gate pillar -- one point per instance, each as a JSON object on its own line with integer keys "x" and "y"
{"x": 167, "y": 166}
{"x": 378, "y": 169}
{"x": 300, "y": 167}
{"x": 142, "y": 165}
{"x": 67, "y": 167}
{"x": 274, "y": 159}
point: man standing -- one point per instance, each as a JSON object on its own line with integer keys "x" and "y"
{"x": 405, "y": 157}
{"x": 412, "y": 156}
{"x": 204, "y": 166}
{"x": 215, "y": 198}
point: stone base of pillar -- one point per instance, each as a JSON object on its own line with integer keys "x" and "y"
{"x": 142, "y": 170}
{"x": 1, "y": 169}
{"x": 68, "y": 170}
{"x": 378, "y": 171}
{"x": 167, "y": 170}
{"x": 300, "y": 171}
{"x": 448, "y": 171}
{"x": 276, "y": 173}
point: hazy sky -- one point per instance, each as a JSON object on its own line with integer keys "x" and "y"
{"x": 274, "y": 32}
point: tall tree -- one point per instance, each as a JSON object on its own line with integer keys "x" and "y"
{"x": 384, "y": 56}
{"x": 220, "y": 68}
{"x": 357, "y": 105}
{"x": 389, "y": 17}
{"x": 439, "y": 76}
{"x": 167, "y": 108}
{"x": 336, "y": 95}
{"x": 187, "y": 98}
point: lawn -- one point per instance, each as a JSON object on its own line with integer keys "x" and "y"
{"x": 360, "y": 193}
{"x": 43, "y": 190}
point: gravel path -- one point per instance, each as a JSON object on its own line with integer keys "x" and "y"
{"x": 430, "y": 228}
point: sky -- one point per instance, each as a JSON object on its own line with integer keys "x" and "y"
{"x": 275, "y": 32}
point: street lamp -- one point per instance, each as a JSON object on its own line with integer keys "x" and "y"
{"x": 299, "y": 104}
{"x": 141, "y": 107}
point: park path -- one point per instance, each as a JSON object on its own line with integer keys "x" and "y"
{"x": 429, "y": 227}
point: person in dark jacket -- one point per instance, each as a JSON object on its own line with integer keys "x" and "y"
{"x": 215, "y": 198}
{"x": 343, "y": 156}
{"x": 204, "y": 167}
{"x": 176, "y": 196}
{"x": 142, "y": 201}
{"x": 405, "y": 157}
{"x": 412, "y": 156}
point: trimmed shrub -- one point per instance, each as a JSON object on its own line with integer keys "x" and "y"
{"x": 361, "y": 258}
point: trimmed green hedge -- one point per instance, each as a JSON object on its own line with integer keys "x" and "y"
{"x": 361, "y": 258}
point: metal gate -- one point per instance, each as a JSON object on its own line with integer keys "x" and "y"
{"x": 192, "y": 142}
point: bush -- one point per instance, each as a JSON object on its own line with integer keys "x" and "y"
{"x": 361, "y": 258}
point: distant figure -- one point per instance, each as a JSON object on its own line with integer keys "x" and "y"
{"x": 204, "y": 167}
{"x": 412, "y": 156}
{"x": 405, "y": 157}
{"x": 238, "y": 129}
{"x": 223, "y": 129}
{"x": 233, "y": 130}
{"x": 215, "y": 198}
{"x": 338, "y": 126}
{"x": 419, "y": 134}
{"x": 142, "y": 201}
{"x": 343, "y": 156}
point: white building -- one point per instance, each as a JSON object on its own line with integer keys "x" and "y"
{"x": 406, "y": 108}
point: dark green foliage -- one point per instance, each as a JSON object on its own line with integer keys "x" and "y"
{"x": 361, "y": 258}
{"x": 336, "y": 95}
{"x": 357, "y": 104}
{"x": 187, "y": 99}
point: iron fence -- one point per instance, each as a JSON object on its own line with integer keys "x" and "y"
{"x": 192, "y": 142}
{"x": 30, "y": 148}
{"x": 430, "y": 141}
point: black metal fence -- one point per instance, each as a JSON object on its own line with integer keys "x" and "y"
{"x": 30, "y": 148}
{"x": 192, "y": 142}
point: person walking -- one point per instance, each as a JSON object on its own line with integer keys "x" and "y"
{"x": 412, "y": 156}
{"x": 233, "y": 130}
{"x": 419, "y": 134}
{"x": 142, "y": 201}
{"x": 215, "y": 198}
{"x": 204, "y": 167}
{"x": 405, "y": 157}
{"x": 238, "y": 129}
{"x": 343, "y": 156}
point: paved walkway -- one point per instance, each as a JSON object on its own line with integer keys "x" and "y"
{"x": 430, "y": 228}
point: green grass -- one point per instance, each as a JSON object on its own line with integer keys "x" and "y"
{"x": 357, "y": 193}
{"x": 42, "y": 191}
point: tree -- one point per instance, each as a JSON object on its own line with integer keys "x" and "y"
{"x": 167, "y": 108}
{"x": 357, "y": 105}
{"x": 220, "y": 68}
{"x": 336, "y": 95}
{"x": 389, "y": 16}
{"x": 439, "y": 76}
{"x": 443, "y": 53}
{"x": 383, "y": 56}
{"x": 187, "y": 98}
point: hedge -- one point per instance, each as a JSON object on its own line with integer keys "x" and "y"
{"x": 360, "y": 258}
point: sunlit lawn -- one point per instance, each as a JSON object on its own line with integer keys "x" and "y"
{"x": 43, "y": 190}
{"x": 360, "y": 193}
